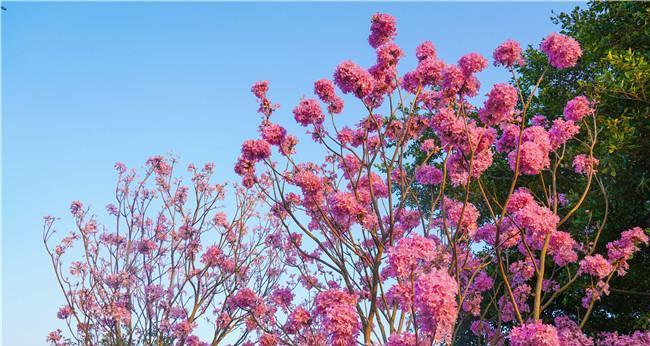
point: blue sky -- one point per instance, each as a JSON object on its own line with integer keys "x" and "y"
{"x": 86, "y": 85}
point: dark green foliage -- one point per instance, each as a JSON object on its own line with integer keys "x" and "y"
{"x": 614, "y": 71}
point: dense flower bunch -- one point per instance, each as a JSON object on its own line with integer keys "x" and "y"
{"x": 562, "y": 51}
{"x": 534, "y": 334}
{"x": 163, "y": 263}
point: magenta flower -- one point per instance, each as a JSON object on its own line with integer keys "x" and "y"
{"x": 562, "y": 51}
{"x": 382, "y": 29}
{"x": 534, "y": 334}
{"x": 508, "y": 54}
{"x": 577, "y": 108}
{"x": 308, "y": 112}
{"x": 351, "y": 78}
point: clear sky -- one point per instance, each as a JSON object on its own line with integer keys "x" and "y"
{"x": 86, "y": 85}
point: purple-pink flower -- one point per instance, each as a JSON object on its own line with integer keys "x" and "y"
{"x": 382, "y": 29}
{"x": 508, "y": 54}
{"x": 562, "y": 51}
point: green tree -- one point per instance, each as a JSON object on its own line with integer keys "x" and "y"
{"x": 614, "y": 71}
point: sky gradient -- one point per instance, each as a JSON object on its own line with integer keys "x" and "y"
{"x": 86, "y": 85}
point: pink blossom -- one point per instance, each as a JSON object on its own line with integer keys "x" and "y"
{"x": 508, "y": 54}
{"x": 562, "y": 247}
{"x": 594, "y": 293}
{"x": 308, "y": 112}
{"x": 461, "y": 216}
{"x": 472, "y": 63}
{"x": 412, "y": 254}
{"x": 339, "y": 317}
{"x": 159, "y": 165}
{"x": 534, "y": 334}
{"x": 536, "y": 219}
{"x": 435, "y": 303}
{"x": 268, "y": 340}
{"x": 428, "y": 146}
{"x": 509, "y": 137}
{"x": 458, "y": 166}
{"x": 401, "y": 294}
{"x": 539, "y": 120}
{"x": 577, "y": 108}
{"x": 288, "y": 145}
{"x": 425, "y": 50}
{"x": 213, "y": 256}
{"x": 56, "y": 338}
{"x": 532, "y": 158}
{"x": 351, "y": 78}
{"x": 272, "y": 133}
{"x": 403, "y": 339}
{"x": 324, "y": 89}
{"x": 562, "y": 51}
{"x": 184, "y": 328}
{"x": 500, "y": 105}
{"x": 345, "y": 208}
{"x": 429, "y": 71}
{"x": 389, "y": 54}
{"x": 428, "y": 175}
{"x": 256, "y": 150}
{"x": 245, "y": 298}
{"x": 449, "y": 127}
{"x": 259, "y": 89}
{"x": 561, "y": 131}
{"x": 76, "y": 208}
{"x": 482, "y": 282}
{"x": 638, "y": 338}
{"x": 521, "y": 294}
{"x": 595, "y": 265}
{"x": 619, "y": 251}
{"x": 570, "y": 334}
{"x": 298, "y": 319}
{"x": 520, "y": 198}
{"x": 64, "y": 312}
{"x": 382, "y": 29}
{"x": 583, "y": 164}
{"x": 522, "y": 271}
{"x": 452, "y": 80}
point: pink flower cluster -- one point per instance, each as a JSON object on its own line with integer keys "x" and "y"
{"x": 351, "y": 78}
{"x": 534, "y": 334}
{"x": 619, "y": 251}
{"x": 383, "y": 28}
{"x": 324, "y": 89}
{"x": 259, "y": 89}
{"x": 583, "y": 164}
{"x": 472, "y": 63}
{"x": 428, "y": 175}
{"x": 561, "y": 131}
{"x": 570, "y": 334}
{"x": 595, "y": 265}
{"x": 562, "y": 51}
{"x": 337, "y": 310}
{"x": 578, "y": 108}
{"x": 308, "y": 112}
{"x": 435, "y": 304}
{"x": 500, "y": 105}
{"x": 508, "y": 54}
{"x": 533, "y": 154}
{"x": 415, "y": 254}
{"x": 637, "y": 338}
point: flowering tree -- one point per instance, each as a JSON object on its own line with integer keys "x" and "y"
{"x": 397, "y": 236}
{"x": 398, "y": 249}
{"x": 168, "y": 262}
